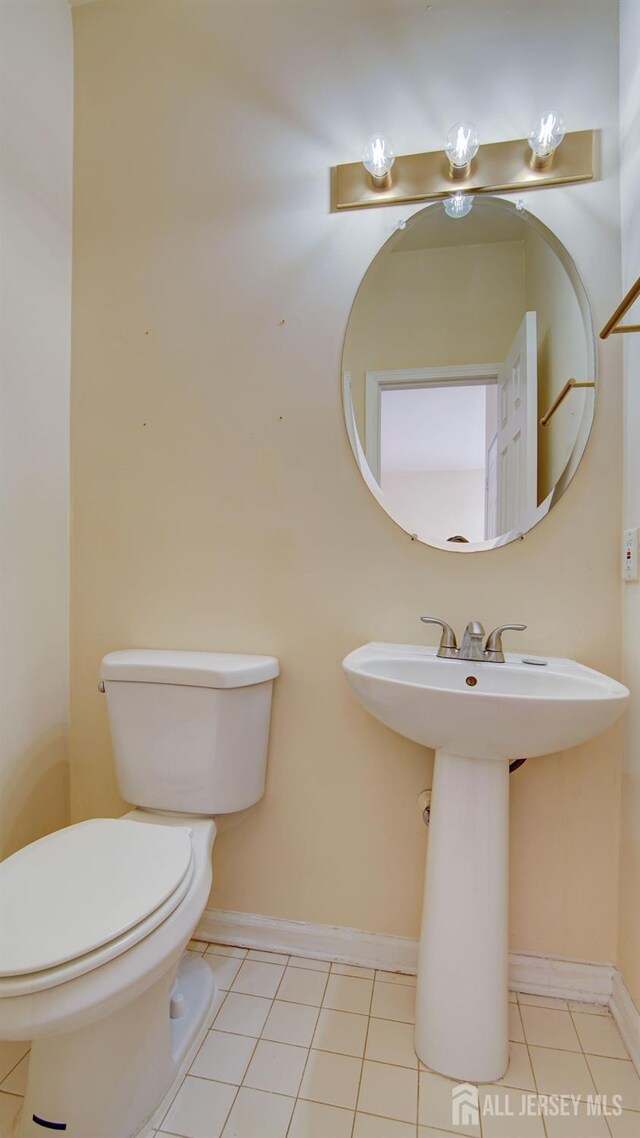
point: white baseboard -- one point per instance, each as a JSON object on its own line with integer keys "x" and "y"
{"x": 539, "y": 975}
{"x": 300, "y": 938}
{"x": 536, "y": 975}
{"x": 565, "y": 979}
{"x": 627, "y": 1017}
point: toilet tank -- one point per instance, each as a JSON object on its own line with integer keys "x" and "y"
{"x": 189, "y": 729}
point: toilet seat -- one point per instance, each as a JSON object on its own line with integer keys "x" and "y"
{"x": 85, "y": 894}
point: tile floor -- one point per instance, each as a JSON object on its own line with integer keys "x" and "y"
{"x": 301, "y": 1048}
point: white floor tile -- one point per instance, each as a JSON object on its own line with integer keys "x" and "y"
{"x": 394, "y": 1001}
{"x": 548, "y": 1027}
{"x": 332, "y": 1079}
{"x": 590, "y": 1009}
{"x": 267, "y": 957}
{"x": 317, "y": 1120}
{"x": 580, "y": 1124}
{"x": 218, "y": 1001}
{"x": 599, "y": 1035}
{"x": 435, "y": 1105}
{"x": 353, "y": 970}
{"x": 303, "y": 986}
{"x": 309, "y": 962}
{"x": 224, "y": 968}
{"x": 291, "y": 1023}
{"x": 16, "y": 1082}
{"x": 431, "y": 1132}
{"x": 155, "y": 1121}
{"x": 521, "y": 1125}
{"x": 259, "y": 1114}
{"x": 223, "y": 1057}
{"x": 561, "y": 1072}
{"x": 198, "y": 946}
{"x": 616, "y": 1077}
{"x": 372, "y": 1126}
{"x": 543, "y": 1001}
{"x": 258, "y": 979}
{"x": 519, "y": 1074}
{"x": 516, "y": 1031}
{"x": 276, "y": 1067}
{"x": 348, "y": 994}
{"x": 10, "y": 1056}
{"x": 391, "y": 1042}
{"x": 396, "y": 978}
{"x": 625, "y": 1125}
{"x": 243, "y": 1015}
{"x": 343, "y": 1032}
{"x": 199, "y": 1109}
{"x": 227, "y": 950}
{"x": 10, "y": 1106}
{"x": 389, "y": 1091}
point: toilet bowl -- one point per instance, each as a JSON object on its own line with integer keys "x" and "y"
{"x": 96, "y": 917}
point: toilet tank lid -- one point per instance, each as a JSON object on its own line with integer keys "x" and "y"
{"x": 191, "y": 669}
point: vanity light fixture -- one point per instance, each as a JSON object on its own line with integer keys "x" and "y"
{"x": 544, "y": 138}
{"x": 458, "y": 205}
{"x": 461, "y": 146}
{"x": 523, "y": 164}
{"x": 378, "y": 157}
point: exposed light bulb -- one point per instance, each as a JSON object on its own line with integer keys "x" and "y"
{"x": 378, "y": 156}
{"x": 461, "y": 146}
{"x": 544, "y": 138}
{"x": 458, "y": 205}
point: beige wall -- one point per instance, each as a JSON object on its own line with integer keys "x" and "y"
{"x": 434, "y": 308}
{"x": 629, "y": 956}
{"x": 36, "y": 123}
{"x": 216, "y": 501}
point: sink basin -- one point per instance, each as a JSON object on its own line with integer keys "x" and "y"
{"x": 476, "y": 716}
{"x": 512, "y": 710}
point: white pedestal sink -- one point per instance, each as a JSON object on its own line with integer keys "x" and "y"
{"x": 477, "y": 716}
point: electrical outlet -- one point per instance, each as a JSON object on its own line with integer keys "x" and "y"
{"x": 630, "y": 555}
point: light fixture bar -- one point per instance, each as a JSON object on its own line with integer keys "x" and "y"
{"x": 498, "y": 168}
{"x": 560, "y": 398}
{"x": 612, "y": 326}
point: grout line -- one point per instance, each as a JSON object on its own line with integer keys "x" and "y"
{"x": 235, "y": 1097}
{"x": 364, "y": 1052}
{"x": 16, "y": 1094}
{"x": 531, "y": 1066}
{"x": 184, "y": 1075}
{"x": 306, "y": 1062}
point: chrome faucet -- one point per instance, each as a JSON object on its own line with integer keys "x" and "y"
{"x": 472, "y": 647}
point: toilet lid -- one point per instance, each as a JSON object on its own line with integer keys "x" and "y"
{"x": 77, "y": 889}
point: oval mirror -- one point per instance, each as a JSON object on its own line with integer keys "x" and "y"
{"x": 462, "y": 340}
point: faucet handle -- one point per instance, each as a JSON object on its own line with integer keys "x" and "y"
{"x": 448, "y": 644}
{"x": 493, "y": 648}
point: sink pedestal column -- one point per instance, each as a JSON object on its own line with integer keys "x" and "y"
{"x": 462, "y": 996}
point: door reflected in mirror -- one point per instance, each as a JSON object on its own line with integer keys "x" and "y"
{"x": 462, "y": 334}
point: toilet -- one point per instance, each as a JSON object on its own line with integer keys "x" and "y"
{"x": 95, "y": 918}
